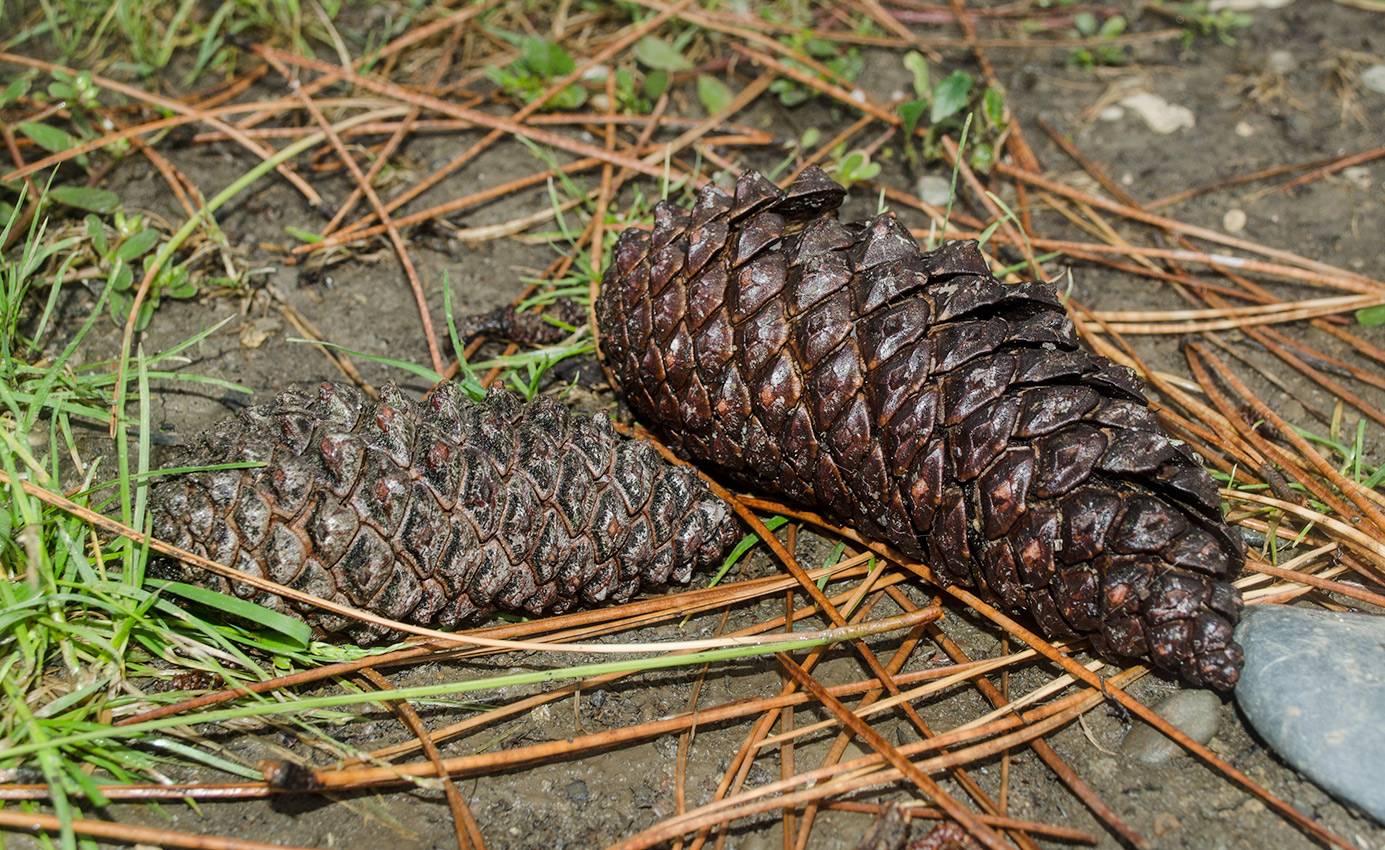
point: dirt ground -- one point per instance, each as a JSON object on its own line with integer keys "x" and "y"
{"x": 1270, "y": 98}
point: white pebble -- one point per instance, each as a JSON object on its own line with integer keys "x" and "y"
{"x": 1246, "y": 5}
{"x": 1234, "y": 221}
{"x": 1111, "y": 113}
{"x": 1244, "y": 130}
{"x": 1161, "y": 116}
{"x": 1373, "y": 78}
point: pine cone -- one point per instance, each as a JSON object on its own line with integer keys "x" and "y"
{"x": 436, "y": 513}
{"x": 911, "y": 394}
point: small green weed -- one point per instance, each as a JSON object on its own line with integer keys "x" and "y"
{"x": 1086, "y": 25}
{"x": 107, "y": 244}
{"x": 1199, "y": 22}
{"x": 111, "y": 250}
{"x": 947, "y": 106}
{"x": 540, "y": 64}
{"x": 852, "y": 167}
{"x": 70, "y": 107}
{"x": 636, "y": 92}
{"x": 845, "y": 65}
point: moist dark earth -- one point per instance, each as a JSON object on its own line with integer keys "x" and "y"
{"x": 1273, "y": 97}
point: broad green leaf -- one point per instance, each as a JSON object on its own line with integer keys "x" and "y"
{"x": 15, "y": 90}
{"x": 49, "y": 138}
{"x": 122, "y": 279}
{"x": 137, "y": 245}
{"x": 655, "y": 84}
{"x": 713, "y": 93}
{"x": 910, "y": 112}
{"x": 119, "y": 305}
{"x": 993, "y": 104}
{"x": 1371, "y": 316}
{"x": 86, "y": 198}
{"x": 546, "y": 58}
{"x": 536, "y": 56}
{"x": 146, "y": 313}
{"x": 1085, "y": 23}
{"x": 655, "y": 53}
{"x": 96, "y": 232}
{"x": 951, "y": 96}
{"x": 571, "y": 97}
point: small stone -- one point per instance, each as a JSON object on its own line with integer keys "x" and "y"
{"x": 1234, "y": 221}
{"x": 935, "y": 190}
{"x": 577, "y": 791}
{"x": 1314, "y": 688}
{"x": 1251, "y": 807}
{"x": 1245, "y": 5}
{"x": 1195, "y": 713}
{"x": 1166, "y": 822}
{"x": 1281, "y": 61}
{"x": 1358, "y": 176}
{"x": 1244, "y": 130}
{"x": 1299, "y": 129}
{"x": 1111, "y": 113}
{"x": 257, "y": 332}
{"x": 1161, "y": 116}
{"x": 1373, "y": 78}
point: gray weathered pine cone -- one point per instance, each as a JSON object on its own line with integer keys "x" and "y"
{"x": 436, "y": 513}
{"x": 911, "y": 394}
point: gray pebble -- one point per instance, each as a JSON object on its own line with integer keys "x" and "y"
{"x": 577, "y": 791}
{"x": 1314, "y": 688}
{"x": 1195, "y": 713}
{"x": 1299, "y": 129}
{"x": 935, "y": 190}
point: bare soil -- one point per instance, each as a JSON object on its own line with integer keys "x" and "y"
{"x": 1271, "y": 98}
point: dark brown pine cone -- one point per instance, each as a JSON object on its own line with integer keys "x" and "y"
{"x": 436, "y": 513}
{"x": 911, "y": 394}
